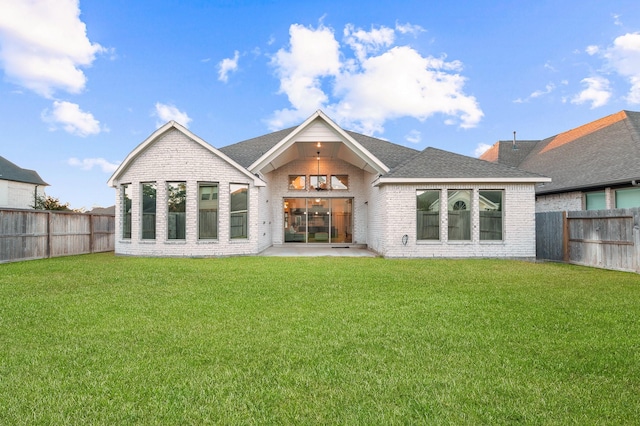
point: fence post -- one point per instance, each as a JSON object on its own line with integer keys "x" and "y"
{"x": 49, "y": 233}
{"x": 636, "y": 244}
{"x": 91, "y": 233}
{"x": 565, "y": 237}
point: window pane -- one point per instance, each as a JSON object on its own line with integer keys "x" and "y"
{"x": 596, "y": 201}
{"x": 239, "y": 209}
{"x": 295, "y": 220}
{"x": 341, "y": 220}
{"x": 177, "y": 210}
{"x": 428, "y": 217}
{"x": 339, "y": 182}
{"x": 148, "y": 211}
{"x": 297, "y": 182}
{"x": 208, "y": 211}
{"x": 318, "y": 181}
{"x": 490, "y": 206}
{"x": 318, "y": 220}
{"x": 459, "y": 208}
{"x": 126, "y": 211}
{"x": 627, "y": 198}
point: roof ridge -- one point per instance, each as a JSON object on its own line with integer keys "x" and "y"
{"x": 586, "y": 129}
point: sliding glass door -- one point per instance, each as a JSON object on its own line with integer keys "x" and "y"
{"x": 318, "y": 220}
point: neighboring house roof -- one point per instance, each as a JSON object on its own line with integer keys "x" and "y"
{"x": 436, "y": 165}
{"x": 602, "y": 153}
{"x": 159, "y": 133}
{"x": 102, "y": 210}
{"x": 10, "y": 171}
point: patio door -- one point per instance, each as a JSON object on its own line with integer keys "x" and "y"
{"x": 318, "y": 220}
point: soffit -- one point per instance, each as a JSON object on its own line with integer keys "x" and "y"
{"x": 315, "y": 137}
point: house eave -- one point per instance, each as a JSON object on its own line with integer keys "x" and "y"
{"x": 369, "y": 160}
{"x": 467, "y": 180}
{"x": 257, "y": 181}
{"x": 588, "y": 188}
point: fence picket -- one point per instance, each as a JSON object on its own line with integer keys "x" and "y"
{"x": 37, "y": 234}
{"x": 606, "y": 239}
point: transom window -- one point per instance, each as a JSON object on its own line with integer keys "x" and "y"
{"x": 297, "y": 182}
{"x": 318, "y": 181}
{"x": 339, "y": 182}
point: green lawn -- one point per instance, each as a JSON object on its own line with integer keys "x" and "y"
{"x": 113, "y": 340}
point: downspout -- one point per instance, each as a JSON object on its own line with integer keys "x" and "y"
{"x": 35, "y": 197}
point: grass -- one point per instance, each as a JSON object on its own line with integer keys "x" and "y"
{"x": 101, "y": 339}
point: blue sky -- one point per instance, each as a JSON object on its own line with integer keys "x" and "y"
{"x": 83, "y": 83}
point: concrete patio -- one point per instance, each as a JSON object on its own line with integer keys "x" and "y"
{"x": 293, "y": 250}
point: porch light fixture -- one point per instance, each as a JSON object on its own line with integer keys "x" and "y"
{"x": 318, "y": 188}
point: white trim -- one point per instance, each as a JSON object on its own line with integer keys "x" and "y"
{"x": 288, "y": 140}
{"x": 161, "y": 131}
{"x": 468, "y": 180}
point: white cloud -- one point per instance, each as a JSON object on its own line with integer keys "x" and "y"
{"x": 380, "y": 82}
{"x": 624, "y": 58}
{"x": 365, "y": 43}
{"x": 550, "y": 87}
{"x": 597, "y": 92}
{"x": 409, "y": 29}
{"x": 90, "y": 163}
{"x": 414, "y": 137}
{"x": 167, "y": 112}
{"x": 312, "y": 54}
{"x": 228, "y": 65}
{"x": 72, "y": 119}
{"x": 616, "y": 19}
{"x": 547, "y": 89}
{"x": 592, "y": 50}
{"x": 480, "y": 149}
{"x": 43, "y": 45}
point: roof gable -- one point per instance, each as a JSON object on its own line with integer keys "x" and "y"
{"x": 12, "y": 172}
{"x": 346, "y": 147}
{"x": 155, "y": 136}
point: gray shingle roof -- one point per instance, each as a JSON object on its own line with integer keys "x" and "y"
{"x": 601, "y": 153}
{"x": 433, "y": 163}
{"x": 247, "y": 152}
{"x": 9, "y": 171}
{"x": 389, "y": 153}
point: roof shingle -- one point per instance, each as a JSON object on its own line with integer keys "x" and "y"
{"x": 10, "y": 171}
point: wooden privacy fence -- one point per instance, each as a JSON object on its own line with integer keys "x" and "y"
{"x": 37, "y": 234}
{"x": 608, "y": 239}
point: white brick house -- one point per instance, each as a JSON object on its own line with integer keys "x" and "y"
{"x": 317, "y": 184}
